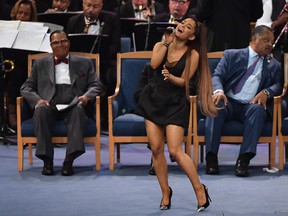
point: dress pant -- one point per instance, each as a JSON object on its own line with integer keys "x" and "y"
{"x": 44, "y": 119}
{"x": 252, "y": 115}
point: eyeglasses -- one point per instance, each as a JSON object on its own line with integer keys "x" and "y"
{"x": 62, "y": 42}
{"x": 180, "y": 2}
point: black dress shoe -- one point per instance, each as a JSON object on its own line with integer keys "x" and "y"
{"x": 172, "y": 159}
{"x": 241, "y": 168}
{"x": 48, "y": 169}
{"x": 67, "y": 169}
{"x": 212, "y": 167}
{"x": 152, "y": 171}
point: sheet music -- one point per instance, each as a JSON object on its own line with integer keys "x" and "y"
{"x": 45, "y": 46}
{"x": 7, "y": 38}
{"x": 33, "y": 26}
{"x": 74, "y": 102}
{"x": 28, "y": 40}
{"x": 9, "y": 25}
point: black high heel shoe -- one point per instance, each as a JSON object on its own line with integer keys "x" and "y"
{"x": 208, "y": 200}
{"x": 166, "y": 207}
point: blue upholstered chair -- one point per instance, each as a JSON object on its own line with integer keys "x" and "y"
{"x": 125, "y": 44}
{"x": 283, "y": 119}
{"x": 124, "y": 126}
{"x": 232, "y": 130}
{"x": 25, "y": 127}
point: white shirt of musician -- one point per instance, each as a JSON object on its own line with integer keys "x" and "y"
{"x": 94, "y": 27}
{"x": 62, "y": 75}
{"x": 267, "y": 12}
{"x": 138, "y": 14}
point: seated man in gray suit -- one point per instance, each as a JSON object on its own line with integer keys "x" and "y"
{"x": 245, "y": 80}
{"x": 61, "y": 78}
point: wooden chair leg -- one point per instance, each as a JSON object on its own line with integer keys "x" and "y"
{"x": 286, "y": 153}
{"x": 202, "y": 152}
{"x": 118, "y": 153}
{"x": 20, "y": 155}
{"x": 97, "y": 155}
{"x": 30, "y": 154}
{"x": 111, "y": 154}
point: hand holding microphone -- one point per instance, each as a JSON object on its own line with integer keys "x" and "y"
{"x": 169, "y": 30}
{"x": 168, "y": 36}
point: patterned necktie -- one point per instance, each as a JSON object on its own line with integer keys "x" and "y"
{"x": 237, "y": 88}
{"x": 58, "y": 61}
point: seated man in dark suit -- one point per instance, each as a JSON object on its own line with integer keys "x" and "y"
{"x": 245, "y": 81}
{"x": 91, "y": 21}
{"x": 61, "y": 78}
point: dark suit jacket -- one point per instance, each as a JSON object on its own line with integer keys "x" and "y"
{"x": 41, "y": 83}
{"x": 228, "y": 22}
{"x": 232, "y": 66}
{"x": 165, "y": 17}
{"x": 76, "y": 24}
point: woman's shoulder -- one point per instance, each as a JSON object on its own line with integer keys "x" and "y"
{"x": 195, "y": 54}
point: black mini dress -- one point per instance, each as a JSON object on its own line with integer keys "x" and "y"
{"x": 162, "y": 102}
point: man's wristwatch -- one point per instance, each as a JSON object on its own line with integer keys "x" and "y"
{"x": 266, "y": 93}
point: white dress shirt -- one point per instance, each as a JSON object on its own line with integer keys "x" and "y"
{"x": 62, "y": 75}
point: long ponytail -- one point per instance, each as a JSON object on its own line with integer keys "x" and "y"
{"x": 204, "y": 81}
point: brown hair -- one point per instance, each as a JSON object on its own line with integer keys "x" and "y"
{"x": 204, "y": 81}
{"x": 32, "y": 5}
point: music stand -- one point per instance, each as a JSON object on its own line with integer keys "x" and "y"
{"x": 155, "y": 34}
{"x": 85, "y": 42}
{"x": 57, "y": 18}
{"x": 127, "y": 26}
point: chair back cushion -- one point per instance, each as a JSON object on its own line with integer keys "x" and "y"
{"x": 130, "y": 74}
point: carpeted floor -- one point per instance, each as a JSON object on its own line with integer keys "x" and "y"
{"x": 129, "y": 190}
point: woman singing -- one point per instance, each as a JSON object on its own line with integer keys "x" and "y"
{"x": 164, "y": 102}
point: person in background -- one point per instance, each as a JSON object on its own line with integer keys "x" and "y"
{"x": 140, "y": 9}
{"x": 164, "y": 103}
{"x": 228, "y": 22}
{"x": 244, "y": 81}
{"x": 178, "y": 10}
{"x": 23, "y": 10}
{"x": 61, "y": 78}
{"x": 275, "y": 16}
{"x": 59, "y": 6}
{"x": 91, "y": 21}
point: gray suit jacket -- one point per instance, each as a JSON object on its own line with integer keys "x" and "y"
{"x": 41, "y": 83}
{"x": 233, "y": 65}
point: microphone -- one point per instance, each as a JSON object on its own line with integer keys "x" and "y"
{"x": 168, "y": 30}
{"x": 98, "y": 38}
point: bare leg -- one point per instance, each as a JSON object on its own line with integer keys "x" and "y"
{"x": 156, "y": 139}
{"x": 174, "y": 140}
